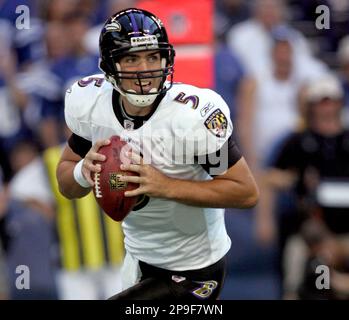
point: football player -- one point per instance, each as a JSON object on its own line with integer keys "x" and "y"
{"x": 189, "y": 166}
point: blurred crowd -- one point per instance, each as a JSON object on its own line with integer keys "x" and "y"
{"x": 287, "y": 85}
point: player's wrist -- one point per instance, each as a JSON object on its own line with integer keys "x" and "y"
{"x": 78, "y": 175}
{"x": 169, "y": 189}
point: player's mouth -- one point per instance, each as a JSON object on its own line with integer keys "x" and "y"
{"x": 146, "y": 85}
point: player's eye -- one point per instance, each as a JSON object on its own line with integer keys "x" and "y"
{"x": 153, "y": 58}
{"x": 130, "y": 60}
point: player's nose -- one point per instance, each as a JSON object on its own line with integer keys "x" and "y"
{"x": 144, "y": 65}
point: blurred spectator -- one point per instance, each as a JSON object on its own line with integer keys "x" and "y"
{"x": 94, "y": 9}
{"x": 314, "y": 163}
{"x": 268, "y": 105}
{"x": 26, "y": 43}
{"x": 31, "y": 81}
{"x": 56, "y": 41}
{"x": 228, "y": 13}
{"x": 5, "y": 166}
{"x": 269, "y": 111}
{"x": 56, "y": 10}
{"x": 251, "y": 40}
{"x": 228, "y": 76}
{"x": 13, "y": 102}
{"x": 324, "y": 249}
{"x": 3, "y": 271}
{"x": 343, "y": 60}
{"x": 63, "y": 72}
{"x": 3, "y": 278}
{"x": 28, "y": 224}
{"x": 320, "y": 248}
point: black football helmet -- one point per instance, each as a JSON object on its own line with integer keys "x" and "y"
{"x": 133, "y": 30}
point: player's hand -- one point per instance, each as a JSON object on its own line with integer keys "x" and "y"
{"x": 88, "y": 166}
{"x": 151, "y": 181}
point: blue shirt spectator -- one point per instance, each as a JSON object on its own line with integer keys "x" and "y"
{"x": 65, "y": 72}
{"x": 228, "y": 74}
{"x": 26, "y": 42}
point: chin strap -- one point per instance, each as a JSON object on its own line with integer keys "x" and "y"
{"x": 141, "y": 100}
{"x": 138, "y": 100}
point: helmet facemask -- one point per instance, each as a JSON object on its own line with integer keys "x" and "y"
{"x": 165, "y": 73}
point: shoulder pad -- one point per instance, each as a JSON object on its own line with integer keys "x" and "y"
{"x": 204, "y": 117}
{"x": 80, "y": 98}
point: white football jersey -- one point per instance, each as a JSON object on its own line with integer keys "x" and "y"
{"x": 187, "y": 123}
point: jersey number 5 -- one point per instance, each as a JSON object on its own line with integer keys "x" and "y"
{"x": 181, "y": 98}
{"x": 84, "y": 83}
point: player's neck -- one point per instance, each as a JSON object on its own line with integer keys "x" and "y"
{"x": 133, "y": 110}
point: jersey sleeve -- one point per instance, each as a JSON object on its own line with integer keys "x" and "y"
{"x": 79, "y": 100}
{"x": 210, "y": 126}
{"x": 79, "y": 145}
{"x": 218, "y": 162}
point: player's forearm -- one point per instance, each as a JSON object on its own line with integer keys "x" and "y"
{"x": 218, "y": 193}
{"x": 66, "y": 182}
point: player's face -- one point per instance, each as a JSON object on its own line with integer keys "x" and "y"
{"x": 146, "y": 62}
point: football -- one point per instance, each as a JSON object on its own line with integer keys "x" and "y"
{"x": 108, "y": 190}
